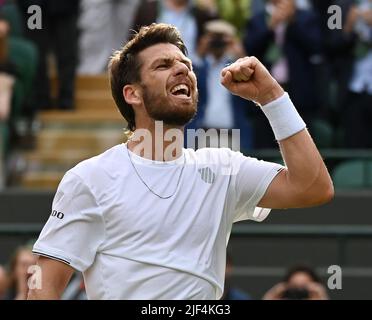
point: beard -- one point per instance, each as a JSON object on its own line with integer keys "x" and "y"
{"x": 162, "y": 108}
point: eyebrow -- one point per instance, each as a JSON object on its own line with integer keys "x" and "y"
{"x": 171, "y": 60}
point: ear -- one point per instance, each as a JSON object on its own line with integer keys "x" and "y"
{"x": 132, "y": 94}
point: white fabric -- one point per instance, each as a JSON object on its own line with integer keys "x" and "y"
{"x": 283, "y": 117}
{"x": 130, "y": 244}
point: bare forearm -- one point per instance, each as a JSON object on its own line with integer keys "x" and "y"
{"x": 54, "y": 275}
{"x": 307, "y": 173}
{"x": 305, "y": 182}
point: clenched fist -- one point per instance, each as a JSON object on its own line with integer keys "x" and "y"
{"x": 248, "y": 78}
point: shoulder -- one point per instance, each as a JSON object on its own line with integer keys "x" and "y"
{"x": 209, "y": 153}
{"x": 219, "y": 158}
{"x": 100, "y": 167}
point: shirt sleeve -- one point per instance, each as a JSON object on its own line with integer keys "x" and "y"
{"x": 251, "y": 178}
{"x": 75, "y": 228}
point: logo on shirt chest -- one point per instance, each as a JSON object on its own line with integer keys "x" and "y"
{"x": 207, "y": 175}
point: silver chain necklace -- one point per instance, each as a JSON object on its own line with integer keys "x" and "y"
{"x": 153, "y": 192}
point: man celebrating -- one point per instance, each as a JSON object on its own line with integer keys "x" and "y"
{"x": 144, "y": 223}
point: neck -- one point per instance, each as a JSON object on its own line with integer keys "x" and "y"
{"x": 157, "y": 141}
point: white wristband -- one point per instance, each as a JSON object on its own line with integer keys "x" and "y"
{"x": 283, "y": 117}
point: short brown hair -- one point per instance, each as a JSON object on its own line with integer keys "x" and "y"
{"x": 124, "y": 66}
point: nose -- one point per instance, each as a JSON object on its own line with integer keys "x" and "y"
{"x": 181, "y": 69}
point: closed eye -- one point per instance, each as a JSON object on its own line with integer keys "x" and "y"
{"x": 188, "y": 65}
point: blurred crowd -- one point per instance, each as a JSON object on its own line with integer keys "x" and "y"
{"x": 15, "y": 277}
{"x": 300, "y": 282}
{"x": 327, "y": 71}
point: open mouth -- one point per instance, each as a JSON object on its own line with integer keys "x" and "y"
{"x": 181, "y": 91}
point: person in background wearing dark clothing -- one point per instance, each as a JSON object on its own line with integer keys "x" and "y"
{"x": 336, "y": 67}
{"x": 300, "y": 283}
{"x": 231, "y": 292}
{"x": 288, "y": 40}
{"x": 18, "y": 64}
{"x": 59, "y": 34}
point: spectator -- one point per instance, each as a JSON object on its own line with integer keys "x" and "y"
{"x": 337, "y": 64}
{"x": 6, "y": 72}
{"x": 287, "y": 39}
{"x": 231, "y": 292}
{"x": 300, "y": 283}
{"x": 18, "y": 267}
{"x": 7, "y": 80}
{"x": 104, "y": 26}
{"x": 6, "y": 90}
{"x": 218, "y": 47}
{"x": 3, "y": 282}
{"x": 21, "y": 62}
{"x": 236, "y": 12}
{"x": 188, "y": 19}
{"x": 59, "y": 35}
{"x": 358, "y": 110}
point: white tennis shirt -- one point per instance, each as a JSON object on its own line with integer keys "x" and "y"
{"x": 131, "y": 244}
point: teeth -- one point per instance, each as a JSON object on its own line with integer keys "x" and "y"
{"x": 181, "y": 87}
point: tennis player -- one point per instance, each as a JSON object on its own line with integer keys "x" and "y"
{"x": 144, "y": 224}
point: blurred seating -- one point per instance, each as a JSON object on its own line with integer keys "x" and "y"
{"x": 322, "y": 133}
{"x": 353, "y": 174}
{"x": 66, "y": 138}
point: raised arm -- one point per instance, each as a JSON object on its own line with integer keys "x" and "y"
{"x": 305, "y": 181}
{"x": 55, "y": 276}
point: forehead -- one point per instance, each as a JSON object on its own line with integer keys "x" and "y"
{"x": 300, "y": 277}
{"x": 161, "y": 51}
